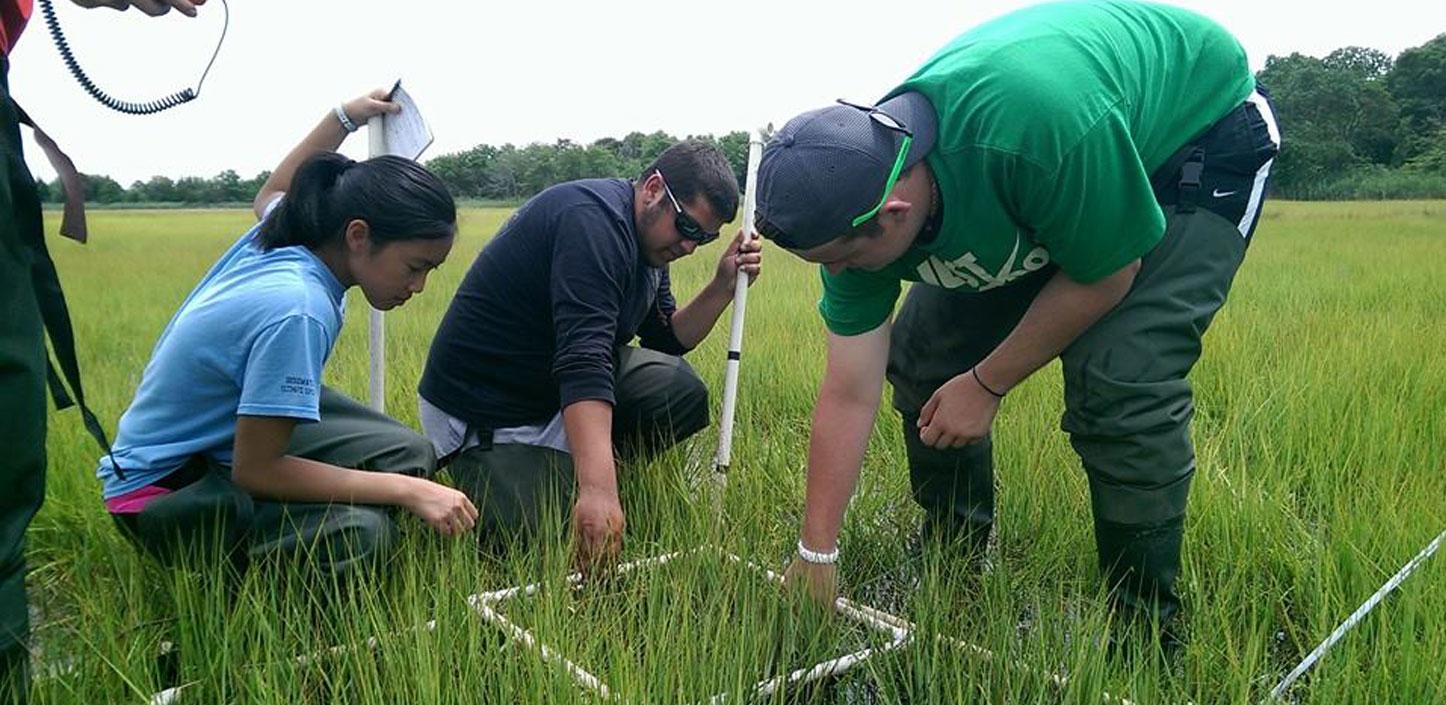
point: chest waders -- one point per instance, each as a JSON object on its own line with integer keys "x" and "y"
{"x": 31, "y": 305}
{"x": 1128, "y": 403}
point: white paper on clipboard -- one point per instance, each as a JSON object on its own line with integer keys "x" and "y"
{"x": 407, "y": 133}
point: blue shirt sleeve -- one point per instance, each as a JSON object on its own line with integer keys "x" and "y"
{"x": 282, "y": 375}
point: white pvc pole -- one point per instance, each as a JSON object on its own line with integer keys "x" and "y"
{"x": 377, "y": 325}
{"x": 376, "y": 395}
{"x": 583, "y": 678}
{"x": 1357, "y": 616}
{"x": 740, "y": 303}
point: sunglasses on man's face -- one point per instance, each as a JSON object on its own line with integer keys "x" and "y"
{"x": 687, "y": 227}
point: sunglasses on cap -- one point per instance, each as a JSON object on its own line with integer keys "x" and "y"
{"x": 687, "y": 227}
{"x": 891, "y": 123}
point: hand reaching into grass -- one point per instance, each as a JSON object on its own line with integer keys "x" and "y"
{"x": 597, "y": 527}
{"x": 443, "y": 508}
{"x": 819, "y": 581}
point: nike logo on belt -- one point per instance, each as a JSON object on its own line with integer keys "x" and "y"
{"x": 1217, "y": 193}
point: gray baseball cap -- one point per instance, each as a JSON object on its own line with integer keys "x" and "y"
{"x": 828, "y": 170}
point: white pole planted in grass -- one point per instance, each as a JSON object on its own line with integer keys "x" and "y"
{"x": 740, "y": 303}
{"x": 377, "y": 323}
{"x": 404, "y": 134}
{"x": 1357, "y": 616}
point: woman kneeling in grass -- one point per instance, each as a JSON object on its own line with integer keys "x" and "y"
{"x": 232, "y": 443}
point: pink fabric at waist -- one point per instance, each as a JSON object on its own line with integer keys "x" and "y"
{"x": 134, "y": 501}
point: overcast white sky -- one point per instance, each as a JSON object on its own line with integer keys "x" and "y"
{"x": 507, "y": 71}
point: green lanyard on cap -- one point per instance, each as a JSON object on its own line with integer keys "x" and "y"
{"x": 889, "y": 184}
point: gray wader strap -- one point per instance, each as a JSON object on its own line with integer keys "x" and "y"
{"x": 56, "y": 315}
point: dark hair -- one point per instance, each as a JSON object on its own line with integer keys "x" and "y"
{"x": 695, "y": 168}
{"x": 397, "y": 197}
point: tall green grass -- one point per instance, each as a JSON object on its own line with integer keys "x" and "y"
{"x": 1320, "y": 425}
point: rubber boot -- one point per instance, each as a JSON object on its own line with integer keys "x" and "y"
{"x": 956, "y": 490}
{"x": 1140, "y": 563}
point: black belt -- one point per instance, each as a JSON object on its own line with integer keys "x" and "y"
{"x": 484, "y": 441}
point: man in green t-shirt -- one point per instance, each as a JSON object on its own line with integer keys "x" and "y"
{"x": 1072, "y": 180}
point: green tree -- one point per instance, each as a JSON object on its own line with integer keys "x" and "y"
{"x": 735, "y": 147}
{"x": 250, "y": 187}
{"x": 1361, "y": 62}
{"x": 1431, "y": 159}
{"x": 504, "y": 179}
{"x": 465, "y": 173}
{"x": 1418, "y": 84}
{"x": 159, "y": 189}
{"x": 1337, "y": 113}
{"x": 192, "y": 189}
{"x": 598, "y": 161}
{"x": 103, "y": 189}
{"x": 226, "y": 187}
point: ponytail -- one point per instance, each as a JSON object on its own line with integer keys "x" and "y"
{"x": 398, "y": 198}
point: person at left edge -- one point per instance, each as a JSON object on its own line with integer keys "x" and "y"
{"x": 31, "y": 303}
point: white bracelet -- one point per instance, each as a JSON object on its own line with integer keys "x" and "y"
{"x": 811, "y": 556}
{"x": 346, "y": 122}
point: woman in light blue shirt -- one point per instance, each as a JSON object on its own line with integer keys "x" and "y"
{"x": 232, "y": 444}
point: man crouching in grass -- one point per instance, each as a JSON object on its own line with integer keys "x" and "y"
{"x": 531, "y": 387}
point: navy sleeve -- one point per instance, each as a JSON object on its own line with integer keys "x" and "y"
{"x": 591, "y": 262}
{"x": 656, "y": 332}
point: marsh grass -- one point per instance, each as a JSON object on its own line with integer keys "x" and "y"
{"x": 1320, "y": 424}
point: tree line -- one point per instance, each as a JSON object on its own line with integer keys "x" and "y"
{"x": 1358, "y": 124}
{"x": 226, "y": 187}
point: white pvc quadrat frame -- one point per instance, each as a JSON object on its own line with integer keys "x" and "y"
{"x": 487, "y": 605}
{"x": 901, "y": 630}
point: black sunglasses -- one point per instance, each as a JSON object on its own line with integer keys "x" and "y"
{"x": 687, "y": 227}
{"x": 877, "y": 114}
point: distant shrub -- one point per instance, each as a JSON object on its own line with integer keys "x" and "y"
{"x": 1373, "y": 183}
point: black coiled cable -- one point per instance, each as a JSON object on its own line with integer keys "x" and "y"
{"x": 146, "y": 108}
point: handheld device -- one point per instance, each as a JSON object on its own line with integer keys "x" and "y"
{"x": 143, "y": 108}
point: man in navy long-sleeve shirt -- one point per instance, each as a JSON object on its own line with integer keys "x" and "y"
{"x": 531, "y": 383}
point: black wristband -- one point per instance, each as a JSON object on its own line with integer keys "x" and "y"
{"x": 975, "y": 371}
